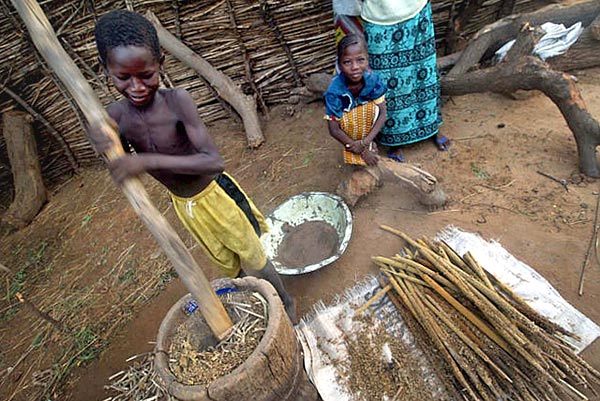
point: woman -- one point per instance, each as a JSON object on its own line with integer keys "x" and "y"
{"x": 401, "y": 43}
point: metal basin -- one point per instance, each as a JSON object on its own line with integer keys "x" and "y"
{"x": 305, "y": 207}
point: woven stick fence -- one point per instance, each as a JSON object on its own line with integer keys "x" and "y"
{"x": 266, "y": 46}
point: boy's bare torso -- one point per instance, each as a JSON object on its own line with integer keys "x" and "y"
{"x": 158, "y": 129}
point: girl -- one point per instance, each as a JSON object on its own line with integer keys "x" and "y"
{"x": 355, "y": 103}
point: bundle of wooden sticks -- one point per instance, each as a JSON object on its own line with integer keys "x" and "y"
{"x": 489, "y": 342}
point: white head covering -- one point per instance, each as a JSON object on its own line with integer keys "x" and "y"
{"x": 389, "y": 12}
{"x": 347, "y": 7}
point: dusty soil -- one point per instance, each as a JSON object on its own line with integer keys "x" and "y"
{"x": 97, "y": 285}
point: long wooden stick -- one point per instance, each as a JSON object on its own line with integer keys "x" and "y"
{"x": 413, "y": 267}
{"x": 425, "y": 320}
{"x": 464, "y": 336}
{"x": 588, "y": 252}
{"x": 44, "y": 38}
{"x": 481, "y": 325}
{"x": 533, "y": 348}
{"x": 478, "y": 270}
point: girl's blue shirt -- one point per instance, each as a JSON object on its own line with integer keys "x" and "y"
{"x": 339, "y": 99}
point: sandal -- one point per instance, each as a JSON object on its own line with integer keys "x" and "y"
{"x": 394, "y": 157}
{"x": 443, "y": 143}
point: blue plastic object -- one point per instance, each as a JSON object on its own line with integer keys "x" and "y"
{"x": 191, "y": 305}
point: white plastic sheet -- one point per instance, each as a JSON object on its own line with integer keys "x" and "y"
{"x": 323, "y": 337}
{"x": 556, "y": 41}
{"x": 525, "y": 282}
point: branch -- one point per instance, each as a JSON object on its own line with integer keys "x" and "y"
{"x": 531, "y": 73}
{"x": 524, "y": 44}
{"x": 53, "y": 132}
{"x": 245, "y": 57}
{"x": 227, "y": 89}
{"x": 493, "y": 35}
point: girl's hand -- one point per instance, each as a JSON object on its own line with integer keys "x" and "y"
{"x": 370, "y": 157}
{"x": 356, "y": 147}
{"x": 125, "y": 167}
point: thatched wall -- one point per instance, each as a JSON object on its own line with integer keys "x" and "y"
{"x": 284, "y": 40}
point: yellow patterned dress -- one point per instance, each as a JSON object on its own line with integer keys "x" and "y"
{"x": 357, "y": 124}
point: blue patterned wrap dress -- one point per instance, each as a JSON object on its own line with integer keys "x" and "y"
{"x": 403, "y": 54}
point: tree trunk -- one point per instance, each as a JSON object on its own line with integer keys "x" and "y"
{"x": 520, "y": 71}
{"x": 492, "y": 36}
{"x": 30, "y": 192}
{"x": 584, "y": 53}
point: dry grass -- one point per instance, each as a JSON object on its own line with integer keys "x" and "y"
{"x": 138, "y": 382}
{"x": 195, "y": 363}
{"x": 85, "y": 275}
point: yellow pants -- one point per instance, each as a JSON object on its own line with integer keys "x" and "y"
{"x": 226, "y": 224}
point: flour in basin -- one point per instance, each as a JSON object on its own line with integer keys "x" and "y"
{"x": 308, "y": 243}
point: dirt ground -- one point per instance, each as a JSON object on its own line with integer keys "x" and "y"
{"x": 97, "y": 286}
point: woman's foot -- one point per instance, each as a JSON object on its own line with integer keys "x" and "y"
{"x": 442, "y": 142}
{"x": 396, "y": 154}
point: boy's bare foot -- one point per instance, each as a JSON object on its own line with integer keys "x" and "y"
{"x": 290, "y": 308}
{"x": 269, "y": 273}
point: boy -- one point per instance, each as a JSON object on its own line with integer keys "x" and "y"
{"x": 173, "y": 146}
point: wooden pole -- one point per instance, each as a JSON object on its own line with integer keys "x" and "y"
{"x": 245, "y": 105}
{"x": 44, "y": 39}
